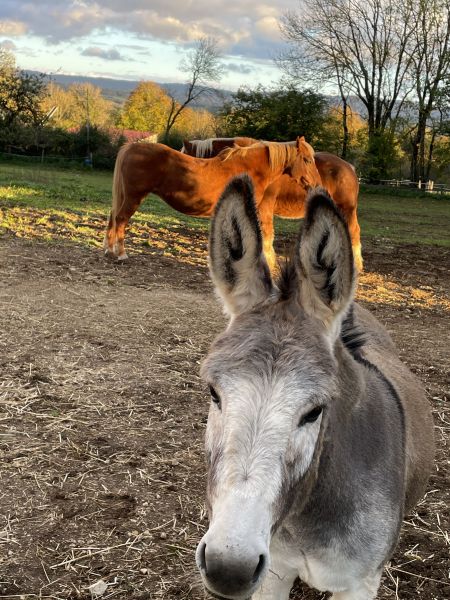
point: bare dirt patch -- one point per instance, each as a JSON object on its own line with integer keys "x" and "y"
{"x": 102, "y": 417}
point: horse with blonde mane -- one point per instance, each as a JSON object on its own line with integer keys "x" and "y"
{"x": 193, "y": 185}
{"x": 284, "y": 198}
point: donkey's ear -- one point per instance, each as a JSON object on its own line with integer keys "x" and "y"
{"x": 325, "y": 261}
{"x": 238, "y": 267}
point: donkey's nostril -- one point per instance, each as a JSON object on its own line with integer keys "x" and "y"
{"x": 201, "y": 556}
{"x": 260, "y": 568}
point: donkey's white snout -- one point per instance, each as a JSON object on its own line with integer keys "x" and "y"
{"x": 231, "y": 571}
{"x": 233, "y": 556}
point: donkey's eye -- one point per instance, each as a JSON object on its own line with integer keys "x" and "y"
{"x": 215, "y": 397}
{"x": 312, "y": 416}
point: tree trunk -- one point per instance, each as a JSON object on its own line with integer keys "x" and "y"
{"x": 418, "y": 150}
{"x": 430, "y": 154}
{"x": 345, "y": 139}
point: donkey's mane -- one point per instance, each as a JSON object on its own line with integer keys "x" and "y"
{"x": 280, "y": 153}
{"x": 352, "y": 336}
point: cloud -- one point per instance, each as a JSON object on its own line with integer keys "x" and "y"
{"x": 9, "y": 27}
{"x": 105, "y": 54}
{"x": 239, "y": 26}
{"x": 8, "y": 45}
{"x": 239, "y": 68}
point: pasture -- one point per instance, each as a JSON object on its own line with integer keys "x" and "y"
{"x": 102, "y": 412}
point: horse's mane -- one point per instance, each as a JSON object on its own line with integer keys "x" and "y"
{"x": 203, "y": 147}
{"x": 280, "y": 153}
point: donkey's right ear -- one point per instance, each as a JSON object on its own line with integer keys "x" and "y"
{"x": 236, "y": 261}
{"x": 325, "y": 262}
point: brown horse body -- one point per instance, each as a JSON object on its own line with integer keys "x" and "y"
{"x": 192, "y": 185}
{"x": 285, "y": 198}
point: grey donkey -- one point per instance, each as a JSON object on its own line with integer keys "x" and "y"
{"x": 319, "y": 439}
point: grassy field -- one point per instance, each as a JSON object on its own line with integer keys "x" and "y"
{"x": 48, "y": 202}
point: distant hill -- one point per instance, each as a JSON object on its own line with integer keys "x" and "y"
{"x": 118, "y": 90}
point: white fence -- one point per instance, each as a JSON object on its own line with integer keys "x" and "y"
{"x": 425, "y": 186}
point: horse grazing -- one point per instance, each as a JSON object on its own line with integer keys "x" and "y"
{"x": 192, "y": 185}
{"x": 318, "y": 439}
{"x": 213, "y": 146}
{"x": 286, "y": 199}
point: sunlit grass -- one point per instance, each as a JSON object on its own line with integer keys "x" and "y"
{"x": 37, "y": 200}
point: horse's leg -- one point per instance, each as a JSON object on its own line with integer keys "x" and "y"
{"x": 110, "y": 236}
{"x": 125, "y": 213}
{"x": 355, "y": 236}
{"x": 115, "y": 232}
{"x": 365, "y": 589}
{"x": 268, "y": 233}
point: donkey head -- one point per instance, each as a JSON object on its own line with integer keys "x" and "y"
{"x": 304, "y": 169}
{"x": 273, "y": 377}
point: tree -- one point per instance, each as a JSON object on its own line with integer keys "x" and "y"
{"x": 146, "y": 108}
{"x": 276, "y": 114}
{"x": 57, "y": 106}
{"x": 20, "y": 93}
{"x": 335, "y": 138}
{"x": 441, "y": 153}
{"x": 81, "y": 103}
{"x": 203, "y": 67}
{"x": 430, "y": 76}
{"x": 361, "y": 46}
{"x": 89, "y": 106}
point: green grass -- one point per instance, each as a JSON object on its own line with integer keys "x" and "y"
{"x": 60, "y": 193}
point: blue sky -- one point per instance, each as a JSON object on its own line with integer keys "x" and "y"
{"x": 143, "y": 39}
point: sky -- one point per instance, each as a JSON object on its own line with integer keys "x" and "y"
{"x": 143, "y": 39}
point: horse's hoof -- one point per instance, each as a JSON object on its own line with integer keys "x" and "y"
{"x": 123, "y": 256}
{"x": 110, "y": 253}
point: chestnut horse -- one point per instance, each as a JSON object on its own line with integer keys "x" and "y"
{"x": 286, "y": 199}
{"x": 193, "y": 185}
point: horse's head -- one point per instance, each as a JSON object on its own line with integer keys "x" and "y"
{"x": 187, "y": 147}
{"x": 304, "y": 169}
{"x": 273, "y": 377}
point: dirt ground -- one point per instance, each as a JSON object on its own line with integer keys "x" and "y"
{"x": 102, "y": 417}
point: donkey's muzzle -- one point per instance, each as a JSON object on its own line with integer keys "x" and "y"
{"x": 231, "y": 571}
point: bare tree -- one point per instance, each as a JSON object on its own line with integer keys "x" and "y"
{"x": 202, "y": 64}
{"x": 304, "y": 62}
{"x": 430, "y": 76}
{"x": 360, "y": 46}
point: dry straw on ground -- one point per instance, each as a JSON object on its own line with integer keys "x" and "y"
{"x": 102, "y": 417}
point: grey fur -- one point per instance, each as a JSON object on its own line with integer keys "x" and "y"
{"x": 337, "y": 520}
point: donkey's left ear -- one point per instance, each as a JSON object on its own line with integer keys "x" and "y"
{"x": 237, "y": 264}
{"x": 325, "y": 262}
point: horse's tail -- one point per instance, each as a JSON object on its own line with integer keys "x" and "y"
{"x": 118, "y": 188}
{"x": 118, "y": 199}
